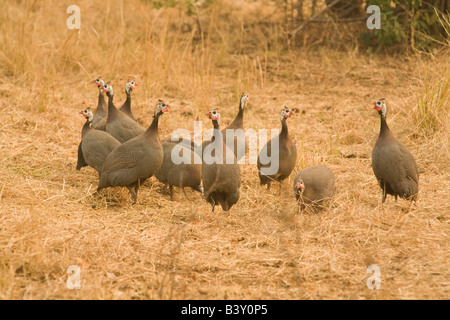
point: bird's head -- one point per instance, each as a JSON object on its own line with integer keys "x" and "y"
{"x": 130, "y": 86}
{"x": 286, "y": 113}
{"x": 380, "y": 106}
{"x": 161, "y": 107}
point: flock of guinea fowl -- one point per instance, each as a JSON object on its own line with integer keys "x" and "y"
{"x": 125, "y": 154}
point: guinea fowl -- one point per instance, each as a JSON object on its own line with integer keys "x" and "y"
{"x": 96, "y": 144}
{"x": 81, "y": 162}
{"x": 119, "y": 125}
{"x": 285, "y": 156}
{"x": 221, "y": 178}
{"x": 314, "y": 185}
{"x": 239, "y": 144}
{"x": 136, "y": 160}
{"x": 98, "y": 122}
{"x": 187, "y": 143}
{"x": 101, "y": 114}
{"x": 184, "y": 174}
{"x": 392, "y": 163}
{"x": 126, "y": 107}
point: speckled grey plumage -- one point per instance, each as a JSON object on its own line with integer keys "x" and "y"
{"x": 319, "y": 184}
{"x": 287, "y": 157}
{"x": 136, "y": 160}
{"x": 119, "y": 125}
{"x": 96, "y": 146}
{"x": 180, "y": 175}
{"x": 221, "y": 182}
{"x": 394, "y": 166}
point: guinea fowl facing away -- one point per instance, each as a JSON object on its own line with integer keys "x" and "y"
{"x": 285, "y": 156}
{"x": 96, "y": 144}
{"x": 314, "y": 185}
{"x": 126, "y": 107}
{"x": 101, "y": 114}
{"x": 221, "y": 178}
{"x": 239, "y": 144}
{"x": 183, "y": 173}
{"x": 136, "y": 160}
{"x": 119, "y": 125}
{"x": 392, "y": 163}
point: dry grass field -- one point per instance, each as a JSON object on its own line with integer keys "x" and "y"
{"x": 263, "y": 248}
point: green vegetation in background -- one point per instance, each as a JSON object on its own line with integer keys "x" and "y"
{"x": 422, "y": 24}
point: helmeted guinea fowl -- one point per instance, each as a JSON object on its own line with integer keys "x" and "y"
{"x": 314, "y": 185}
{"x": 285, "y": 156}
{"x": 119, "y": 125}
{"x": 98, "y": 121}
{"x": 183, "y": 171}
{"x": 101, "y": 114}
{"x": 136, "y": 160}
{"x": 96, "y": 144}
{"x": 126, "y": 107}
{"x": 221, "y": 178}
{"x": 81, "y": 162}
{"x": 392, "y": 163}
{"x": 239, "y": 144}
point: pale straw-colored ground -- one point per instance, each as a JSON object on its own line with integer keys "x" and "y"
{"x": 263, "y": 248}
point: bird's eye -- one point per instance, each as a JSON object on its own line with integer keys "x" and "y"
{"x": 378, "y": 103}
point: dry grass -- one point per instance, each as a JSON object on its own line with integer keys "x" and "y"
{"x": 263, "y": 248}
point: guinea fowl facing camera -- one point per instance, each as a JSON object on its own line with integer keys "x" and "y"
{"x": 285, "y": 156}
{"x": 119, "y": 125}
{"x": 126, "y": 107}
{"x": 314, "y": 185}
{"x": 136, "y": 160}
{"x": 221, "y": 178}
{"x": 95, "y": 144}
{"x": 392, "y": 163}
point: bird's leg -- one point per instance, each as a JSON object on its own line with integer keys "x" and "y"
{"x": 395, "y": 197}
{"x": 184, "y": 191}
{"x": 268, "y": 185}
{"x": 383, "y": 196}
{"x": 171, "y": 191}
{"x": 281, "y": 185}
{"x": 213, "y": 203}
{"x": 133, "y": 194}
{"x": 136, "y": 188}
